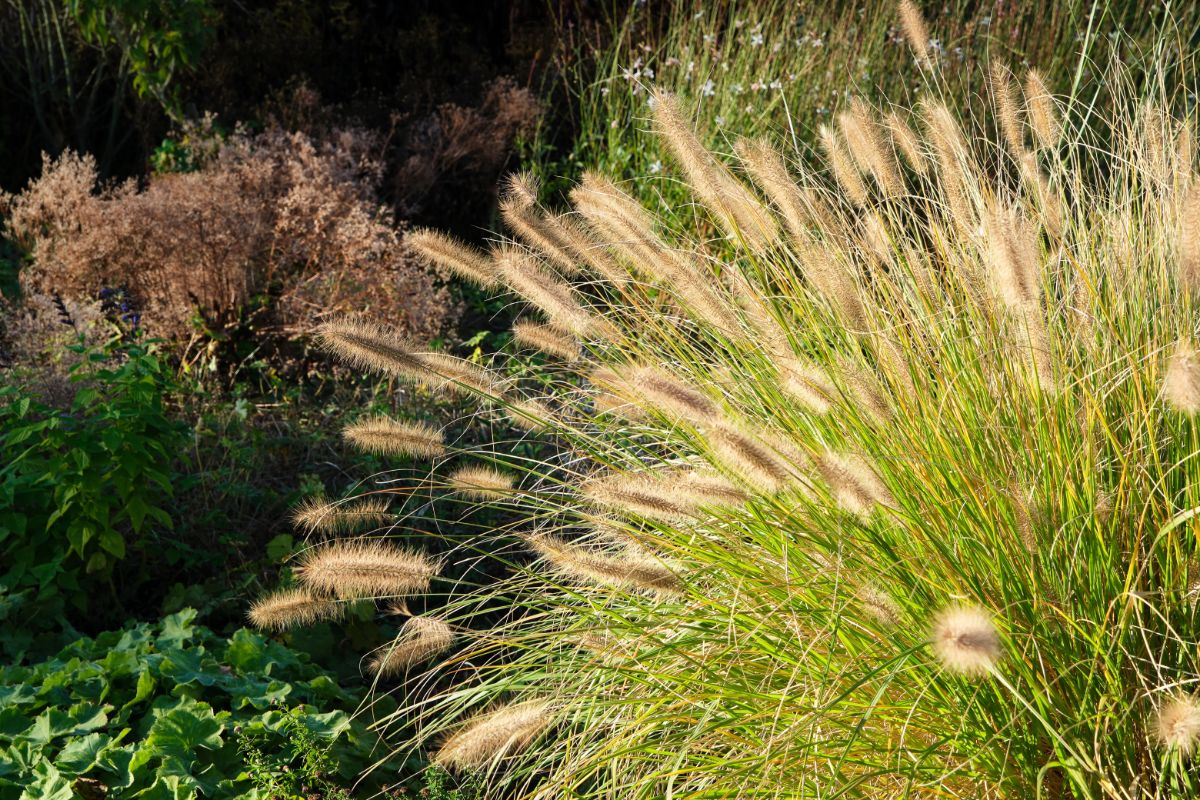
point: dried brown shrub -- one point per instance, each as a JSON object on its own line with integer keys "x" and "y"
{"x": 471, "y": 144}
{"x": 279, "y": 215}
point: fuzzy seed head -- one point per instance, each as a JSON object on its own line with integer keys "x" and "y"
{"x": 632, "y": 569}
{"x": 288, "y": 608}
{"x": 1181, "y": 384}
{"x": 420, "y": 639}
{"x": 1188, "y": 260}
{"x": 807, "y": 384}
{"x": 315, "y": 514}
{"x": 368, "y": 345}
{"x": 842, "y": 165}
{"x": 532, "y": 415}
{"x": 538, "y": 286}
{"x": 965, "y": 641}
{"x": 1176, "y": 724}
{"x": 522, "y": 187}
{"x": 350, "y": 569}
{"x": 643, "y": 495}
{"x": 1008, "y": 112}
{"x": 546, "y": 338}
{"x": 441, "y": 250}
{"x": 879, "y": 606}
{"x": 867, "y": 147}
{"x": 494, "y": 735}
{"x": 855, "y": 485}
{"x": 533, "y": 227}
{"x": 913, "y": 23}
{"x": 1043, "y": 114}
{"x": 749, "y": 457}
{"x": 663, "y": 392}
{"x": 907, "y": 143}
{"x": 480, "y": 482}
{"x": 391, "y": 437}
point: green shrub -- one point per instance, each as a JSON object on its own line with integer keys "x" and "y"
{"x": 80, "y": 488}
{"x": 171, "y": 710}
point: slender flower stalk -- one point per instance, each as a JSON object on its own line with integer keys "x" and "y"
{"x": 318, "y": 515}
{"x": 289, "y": 608}
{"x": 419, "y": 640}
{"x": 367, "y": 568}
{"x": 481, "y": 482}
{"x": 386, "y": 436}
{"x": 491, "y": 736}
{"x": 546, "y": 338}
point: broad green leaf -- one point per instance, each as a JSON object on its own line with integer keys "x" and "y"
{"x": 177, "y": 628}
{"x": 80, "y": 755}
{"x": 48, "y": 784}
{"x": 178, "y": 734}
{"x": 118, "y": 766}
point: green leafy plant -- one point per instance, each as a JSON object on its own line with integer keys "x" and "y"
{"x": 79, "y": 488}
{"x": 158, "y": 39}
{"x": 167, "y": 710}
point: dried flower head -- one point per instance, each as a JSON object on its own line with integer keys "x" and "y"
{"x": 855, "y": 485}
{"x": 879, "y": 605}
{"x": 480, "y": 482}
{"x": 561, "y": 304}
{"x": 664, "y": 392}
{"x": 1043, "y": 114}
{"x": 532, "y": 414}
{"x": 420, "y": 639}
{"x": 634, "y": 568}
{"x": 493, "y": 735}
{"x": 387, "y": 436}
{"x": 442, "y": 250}
{"x": 843, "y": 167}
{"x": 867, "y": 147}
{"x": 748, "y": 456}
{"x": 369, "y": 345}
{"x": 546, "y": 338}
{"x": 288, "y": 608}
{"x": 537, "y": 230}
{"x": 1008, "y": 112}
{"x": 1188, "y": 260}
{"x": 965, "y": 641}
{"x": 365, "y": 569}
{"x": 907, "y": 142}
{"x": 1176, "y": 724}
{"x": 913, "y": 23}
{"x": 736, "y": 208}
{"x": 1181, "y": 384}
{"x": 644, "y": 495}
{"x": 317, "y": 514}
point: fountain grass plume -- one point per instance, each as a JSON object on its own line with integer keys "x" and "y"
{"x": 315, "y": 514}
{"x": 289, "y": 608}
{"x": 480, "y": 482}
{"x": 546, "y": 338}
{"x": 867, "y": 148}
{"x": 898, "y": 501}
{"x": 419, "y": 640}
{"x": 364, "y": 568}
{"x": 386, "y": 436}
{"x": 493, "y": 735}
{"x": 376, "y": 347}
{"x": 629, "y": 570}
{"x": 442, "y": 250}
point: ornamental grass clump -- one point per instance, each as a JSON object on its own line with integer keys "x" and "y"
{"x": 893, "y": 493}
